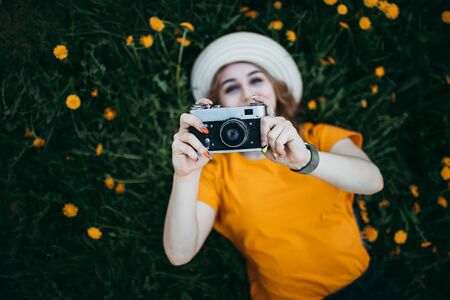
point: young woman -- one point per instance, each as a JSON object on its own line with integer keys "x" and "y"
{"x": 288, "y": 210}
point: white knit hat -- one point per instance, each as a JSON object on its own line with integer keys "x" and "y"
{"x": 250, "y": 47}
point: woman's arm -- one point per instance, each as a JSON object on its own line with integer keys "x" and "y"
{"x": 345, "y": 166}
{"x": 188, "y": 221}
{"x": 349, "y": 168}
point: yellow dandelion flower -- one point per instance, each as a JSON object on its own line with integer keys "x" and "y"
{"x": 400, "y": 237}
{"x": 331, "y": 60}
{"x": 251, "y": 14}
{"x": 277, "y": 4}
{"x": 414, "y": 190}
{"x": 370, "y": 233}
{"x": 60, "y": 52}
{"x": 323, "y": 62}
{"x": 391, "y": 11}
{"x": 446, "y": 161}
{"x": 38, "y": 142}
{"x": 364, "y": 103}
{"x": 109, "y": 182}
{"x": 129, "y": 41}
{"x": 146, "y": 41}
{"x": 275, "y": 25}
{"x": 184, "y": 42}
{"x": 445, "y": 173}
{"x": 382, "y": 5}
{"x": 362, "y": 205}
{"x": 70, "y": 210}
{"x": 364, "y": 23}
{"x": 374, "y": 88}
{"x": 442, "y": 201}
{"x": 73, "y": 101}
{"x": 109, "y": 114}
{"x": 99, "y": 149}
{"x": 425, "y": 244}
{"x": 365, "y": 217}
{"x": 446, "y": 16}
{"x": 28, "y": 133}
{"x": 330, "y": 2}
{"x": 379, "y": 71}
{"x": 120, "y": 188}
{"x": 344, "y": 25}
{"x": 291, "y": 36}
{"x": 94, "y": 233}
{"x": 94, "y": 93}
{"x": 416, "y": 208}
{"x": 188, "y": 26}
{"x": 156, "y": 24}
{"x": 312, "y": 105}
{"x": 244, "y": 9}
{"x": 384, "y": 203}
{"x": 342, "y": 9}
{"x": 370, "y": 3}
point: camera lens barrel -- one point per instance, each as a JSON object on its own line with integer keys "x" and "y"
{"x": 233, "y": 133}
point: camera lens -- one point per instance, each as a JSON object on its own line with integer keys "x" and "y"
{"x": 233, "y": 133}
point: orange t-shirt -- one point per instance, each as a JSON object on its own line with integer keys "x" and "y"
{"x": 298, "y": 233}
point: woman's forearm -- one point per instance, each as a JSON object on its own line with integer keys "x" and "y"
{"x": 181, "y": 226}
{"x": 349, "y": 173}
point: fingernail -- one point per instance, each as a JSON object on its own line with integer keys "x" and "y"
{"x": 264, "y": 149}
{"x": 207, "y": 155}
{"x": 204, "y": 130}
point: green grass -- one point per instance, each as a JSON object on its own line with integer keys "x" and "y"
{"x": 44, "y": 255}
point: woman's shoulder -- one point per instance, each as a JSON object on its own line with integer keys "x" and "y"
{"x": 324, "y": 135}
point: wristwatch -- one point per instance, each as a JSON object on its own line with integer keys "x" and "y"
{"x": 313, "y": 162}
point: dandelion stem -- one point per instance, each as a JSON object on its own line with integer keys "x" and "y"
{"x": 180, "y": 56}
{"x": 163, "y": 45}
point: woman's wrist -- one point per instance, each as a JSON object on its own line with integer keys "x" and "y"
{"x": 302, "y": 164}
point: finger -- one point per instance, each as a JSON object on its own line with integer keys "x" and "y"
{"x": 204, "y": 101}
{"x": 180, "y": 148}
{"x": 193, "y": 141}
{"x": 273, "y": 136}
{"x": 187, "y": 120}
{"x": 267, "y": 103}
{"x": 266, "y": 124}
{"x": 284, "y": 137}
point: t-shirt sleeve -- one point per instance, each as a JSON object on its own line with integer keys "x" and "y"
{"x": 209, "y": 186}
{"x": 327, "y": 135}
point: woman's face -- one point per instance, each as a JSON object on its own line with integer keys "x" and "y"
{"x": 239, "y": 81}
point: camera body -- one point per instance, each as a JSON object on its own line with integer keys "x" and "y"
{"x": 231, "y": 129}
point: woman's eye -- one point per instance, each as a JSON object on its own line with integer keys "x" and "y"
{"x": 255, "y": 80}
{"x": 231, "y": 88}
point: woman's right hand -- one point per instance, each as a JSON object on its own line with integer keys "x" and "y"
{"x": 188, "y": 153}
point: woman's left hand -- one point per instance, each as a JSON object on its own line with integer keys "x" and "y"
{"x": 286, "y": 147}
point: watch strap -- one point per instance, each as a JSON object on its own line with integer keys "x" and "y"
{"x": 313, "y": 162}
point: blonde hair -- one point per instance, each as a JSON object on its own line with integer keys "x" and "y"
{"x": 287, "y": 107}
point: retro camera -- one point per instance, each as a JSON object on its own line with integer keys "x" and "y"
{"x": 231, "y": 129}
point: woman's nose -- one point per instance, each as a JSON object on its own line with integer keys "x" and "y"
{"x": 247, "y": 92}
